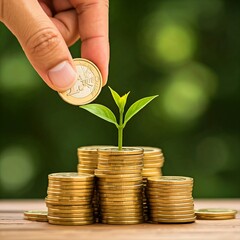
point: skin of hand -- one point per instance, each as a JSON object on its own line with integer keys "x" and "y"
{"x": 45, "y": 29}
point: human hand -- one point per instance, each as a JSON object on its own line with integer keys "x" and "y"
{"x": 45, "y": 29}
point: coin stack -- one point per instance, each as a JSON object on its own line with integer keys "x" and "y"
{"x": 88, "y": 161}
{"x": 170, "y": 199}
{"x": 153, "y": 160}
{"x": 69, "y": 199}
{"x": 215, "y": 214}
{"x": 36, "y": 215}
{"x": 119, "y": 183}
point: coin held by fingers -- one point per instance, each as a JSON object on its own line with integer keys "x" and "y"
{"x": 87, "y": 86}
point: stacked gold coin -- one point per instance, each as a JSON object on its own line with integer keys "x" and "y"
{"x": 153, "y": 160}
{"x": 69, "y": 199}
{"x": 36, "y": 215}
{"x": 170, "y": 199}
{"x": 119, "y": 184}
{"x": 215, "y": 214}
{"x": 88, "y": 161}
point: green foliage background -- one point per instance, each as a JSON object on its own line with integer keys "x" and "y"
{"x": 185, "y": 51}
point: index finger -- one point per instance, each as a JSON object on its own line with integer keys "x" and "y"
{"x": 93, "y": 29}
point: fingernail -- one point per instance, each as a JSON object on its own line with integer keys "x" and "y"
{"x": 62, "y": 76}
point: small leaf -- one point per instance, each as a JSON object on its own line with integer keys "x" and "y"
{"x": 136, "y": 107}
{"x": 101, "y": 111}
{"x": 116, "y": 97}
{"x": 123, "y": 101}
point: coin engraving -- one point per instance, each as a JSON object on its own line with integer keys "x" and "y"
{"x": 87, "y": 86}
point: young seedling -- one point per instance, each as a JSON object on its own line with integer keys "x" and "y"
{"x": 106, "y": 114}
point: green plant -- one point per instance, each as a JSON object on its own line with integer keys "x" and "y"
{"x": 106, "y": 114}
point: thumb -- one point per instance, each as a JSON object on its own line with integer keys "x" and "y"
{"x": 41, "y": 41}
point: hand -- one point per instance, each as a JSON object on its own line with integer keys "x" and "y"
{"x": 45, "y": 29}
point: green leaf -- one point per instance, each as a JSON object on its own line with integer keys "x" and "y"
{"x": 136, "y": 107}
{"x": 101, "y": 111}
{"x": 116, "y": 97}
{"x": 123, "y": 101}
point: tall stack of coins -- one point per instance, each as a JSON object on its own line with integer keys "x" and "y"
{"x": 119, "y": 184}
{"x": 69, "y": 199}
{"x": 87, "y": 163}
{"x": 170, "y": 199}
{"x": 153, "y": 160}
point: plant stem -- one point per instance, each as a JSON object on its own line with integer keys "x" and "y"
{"x": 120, "y": 132}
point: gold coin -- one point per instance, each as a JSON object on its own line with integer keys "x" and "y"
{"x": 125, "y": 179}
{"x": 118, "y": 172}
{"x": 116, "y": 176}
{"x": 123, "y": 211}
{"x": 106, "y": 195}
{"x": 37, "y": 219}
{"x": 122, "y": 214}
{"x": 180, "y": 187}
{"x": 171, "y": 180}
{"x": 162, "y": 220}
{"x": 67, "y": 202}
{"x": 125, "y": 151}
{"x": 71, "y": 215}
{"x": 113, "y": 187}
{"x": 70, "y": 219}
{"x": 70, "y": 176}
{"x": 76, "y": 211}
{"x": 89, "y": 171}
{"x": 87, "y": 165}
{"x": 70, "y": 198}
{"x": 224, "y": 217}
{"x": 118, "y": 183}
{"x": 122, "y": 222}
{"x": 215, "y": 213}
{"x": 70, "y": 189}
{"x": 36, "y": 215}
{"x": 173, "y": 208}
{"x": 159, "y": 201}
{"x": 120, "y": 199}
{"x": 163, "y": 198}
{"x": 87, "y": 86}
{"x": 119, "y": 191}
{"x": 152, "y": 165}
{"x": 119, "y": 168}
{"x": 121, "y": 158}
{"x": 172, "y": 216}
{"x": 123, "y": 218}
{"x": 150, "y": 150}
{"x": 168, "y": 194}
{"x": 68, "y": 184}
{"x": 121, "y": 208}
{"x": 123, "y": 203}
{"x": 76, "y": 223}
{"x": 69, "y": 207}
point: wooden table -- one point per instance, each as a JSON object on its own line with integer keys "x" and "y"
{"x": 12, "y": 225}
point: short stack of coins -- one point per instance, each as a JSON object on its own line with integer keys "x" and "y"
{"x": 69, "y": 198}
{"x": 119, "y": 183}
{"x": 153, "y": 160}
{"x": 215, "y": 214}
{"x": 170, "y": 199}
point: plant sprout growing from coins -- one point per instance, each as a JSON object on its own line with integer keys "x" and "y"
{"x": 105, "y": 113}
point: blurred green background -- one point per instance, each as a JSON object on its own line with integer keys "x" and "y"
{"x": 186, "y": 51}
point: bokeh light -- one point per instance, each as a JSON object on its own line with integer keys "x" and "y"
{"x": 17, "y": 168}
{"x": 187, "y": 92}
{"x": 17, "y": 75}
{"x": 174, "y": 43}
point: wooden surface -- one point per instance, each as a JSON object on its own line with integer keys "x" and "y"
{"x": 12, "y": 226}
